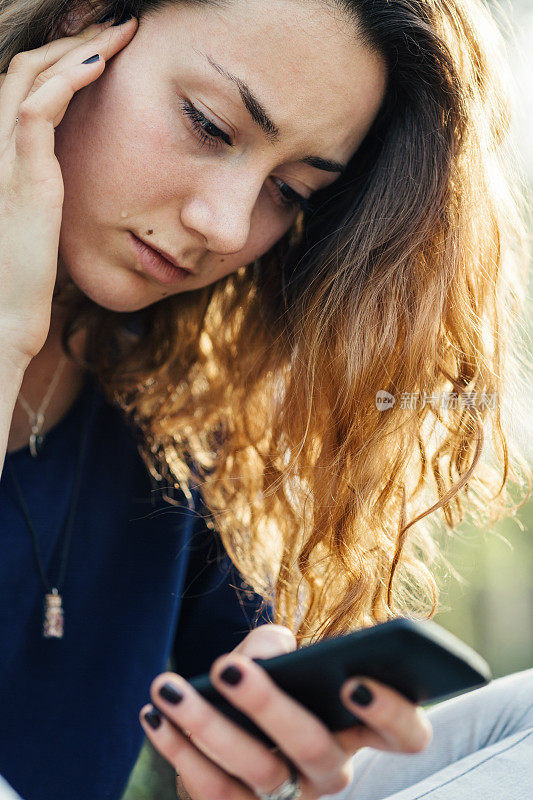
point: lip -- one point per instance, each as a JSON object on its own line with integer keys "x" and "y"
{"x": 157, "y": 263}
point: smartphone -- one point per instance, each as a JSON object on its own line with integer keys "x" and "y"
{"x": 418, "y": 658}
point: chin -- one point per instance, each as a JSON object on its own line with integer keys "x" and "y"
{"x": 114, "y": 287}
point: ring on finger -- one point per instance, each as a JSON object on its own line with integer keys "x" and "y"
{"x": 289, "y": 789}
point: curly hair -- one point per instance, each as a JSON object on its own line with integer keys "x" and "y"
{"x": 405, "y": 280}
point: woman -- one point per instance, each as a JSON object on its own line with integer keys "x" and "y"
{"x": 243, "y": 222}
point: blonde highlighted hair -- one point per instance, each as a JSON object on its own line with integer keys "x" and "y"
{"x": 407, "y": 277}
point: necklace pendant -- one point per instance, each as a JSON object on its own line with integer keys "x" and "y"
{"x": 53, "y": 616}
{"x": 36, "y": 444}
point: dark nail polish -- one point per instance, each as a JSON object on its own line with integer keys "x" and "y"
{"x": 153, "y": 718}
{"x": 122, "y": 20}
{"x": 231, "y": 675}
{"x": 169, "y": 693}
{"x": 91, "y": 59}
{"x": 362, "y": 695}
{"x": 106, "y": 17}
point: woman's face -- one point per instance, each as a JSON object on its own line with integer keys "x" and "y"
{"x": 207, "y": 186}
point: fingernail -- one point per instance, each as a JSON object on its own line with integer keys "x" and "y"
{"x": 169, "y": 693}
{"x": 231, "y": 675}
{"x": 122, "y": 20}
{"x": 153, "y": 718}
{"x": 91, "y": 59}
{"x": 361, "y": 695}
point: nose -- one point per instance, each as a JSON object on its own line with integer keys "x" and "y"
{"x": 221, "y": 211}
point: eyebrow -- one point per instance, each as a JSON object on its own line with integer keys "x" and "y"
{"x": 261, "y": 117}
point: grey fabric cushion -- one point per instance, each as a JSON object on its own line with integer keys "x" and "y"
{"x": 6, "y": 792}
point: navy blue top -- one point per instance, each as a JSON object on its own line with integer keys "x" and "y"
{"x": 146, "y": 581}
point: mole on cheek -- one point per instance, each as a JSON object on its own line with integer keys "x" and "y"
{"x": 149, "y": 232}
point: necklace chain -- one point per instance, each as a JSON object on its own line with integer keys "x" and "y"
{"x": 53, "y": 609}
{"x": 37, "y": 417}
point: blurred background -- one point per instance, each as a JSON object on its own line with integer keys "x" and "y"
{"x": 491, "y": 608}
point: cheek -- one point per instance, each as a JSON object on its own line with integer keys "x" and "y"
{"x": 268, "y": 226}
{"x": 266, "y": 230}
{"x": 113, "y": 148}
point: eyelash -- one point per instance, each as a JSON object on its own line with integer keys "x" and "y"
{"x": 213, "y": 137}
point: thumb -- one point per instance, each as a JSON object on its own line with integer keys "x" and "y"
{"x": 267, "y": 641}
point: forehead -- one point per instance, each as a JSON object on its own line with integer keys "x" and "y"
{"x": 303, "y": 60}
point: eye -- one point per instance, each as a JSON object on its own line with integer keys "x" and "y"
{"x": 290, "y": 198}
{"x": 207, "y": 132}
{"x": 210, "y": 136}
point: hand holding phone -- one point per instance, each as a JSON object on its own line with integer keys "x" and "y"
{"x": 419, "y": 659}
